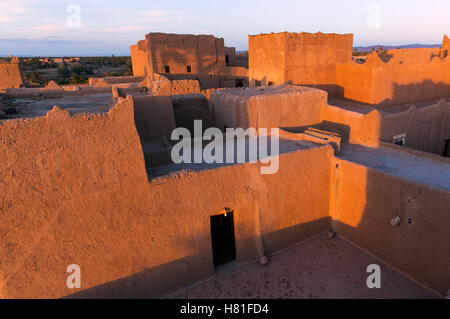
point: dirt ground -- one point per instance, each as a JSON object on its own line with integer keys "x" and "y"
{"x": 318, "y": 269}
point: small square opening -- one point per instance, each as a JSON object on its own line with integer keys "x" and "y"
{"x": 166, "y": 69}
{"x": 188, "y": 69}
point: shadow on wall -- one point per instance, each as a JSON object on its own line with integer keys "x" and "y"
{"x": 163, "y": 279}
{"x": 365, "y": 202}
{"x": 153, "y": 282}
{"x": 416, "y": 92}
{"x": 378, "y": 96}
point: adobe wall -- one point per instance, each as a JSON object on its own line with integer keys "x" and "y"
{"x": 270, "y": 107}
{"x": 445, "y": 49}
{"x": 110, "y": 81}
{"x": 235, "y": 60}
{"x": 142, "y": 66}
{"x": 195, "y": 57}
{"x": 79, "y": 194}
{"x": 354, "y": 127}
{"x": 64, "y": 181}
{"x": 154, "y": 116}
{"x": 367, "y": 199}
{"x": 10, "y": 76}
{"x": 267, "y": 58}
{"x": 425, "y": 127}
{"x": 325, "y": 61}
{"x": 396, "y": 82}
{"x": 204, "y": 54}
{"x": 298, "y": 58}
{"x": 416, "y": 55}
{"x": 311, "y": 59}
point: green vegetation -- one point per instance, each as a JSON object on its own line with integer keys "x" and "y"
{"x": 38, "y": 71}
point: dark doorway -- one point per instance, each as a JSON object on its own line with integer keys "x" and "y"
{"x": 222, "y": 236}
{"x": 239, "y": 84}
{"x": 227, "y": 60}
{"x": 447, "y": 148}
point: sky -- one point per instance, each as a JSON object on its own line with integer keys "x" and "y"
{"x": 94, "y": 27}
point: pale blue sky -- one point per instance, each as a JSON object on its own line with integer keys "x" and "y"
{"x": 39, "y": 27}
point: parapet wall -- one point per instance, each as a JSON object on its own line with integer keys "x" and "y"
{"x": 395, "y": 82}
{"x": 110, "y": 81}
{"x": 426, "y": 127}
{"x": 269, "y": 107}
{"x": 10, "y": 76}
{"x": 367, "y": 199}
{"x": 64, "y": 186}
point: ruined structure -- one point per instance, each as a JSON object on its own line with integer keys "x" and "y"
{"x": 202, "y": 57}
{"x": 10, "y": 76}
{"x": 445, "y": 47}
{"x": 91, "y": 181}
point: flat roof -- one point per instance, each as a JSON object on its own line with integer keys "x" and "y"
{"x": 316, "y": 269}
{"x": 362, "y": 108}
{"x": 412, "y": 165}
{"x": 269, "y": 90}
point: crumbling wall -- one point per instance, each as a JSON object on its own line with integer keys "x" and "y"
{"x": 202, "y": 55}
{"x": 10, "y": 76}
{"x": 445, "y": 49}
{"x": 178, "y": 56}
{"x": 140, "y": 60}
{"x": 110, "y": 81}
{"x": 395, "y": 82}
{"x": 367, "y": 199}
{"x": 185, "y": 87}
{"x": 416, "y": 55}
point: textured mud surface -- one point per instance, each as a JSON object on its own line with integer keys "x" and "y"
{"x": 320, "y": 268}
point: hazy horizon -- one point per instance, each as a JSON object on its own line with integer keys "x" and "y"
{"x": 97, "y": 28}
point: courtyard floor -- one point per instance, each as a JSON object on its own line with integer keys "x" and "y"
{"x": 319, "y": 268}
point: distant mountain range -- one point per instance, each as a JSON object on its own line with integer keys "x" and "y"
{"x": 387, "y": 47}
